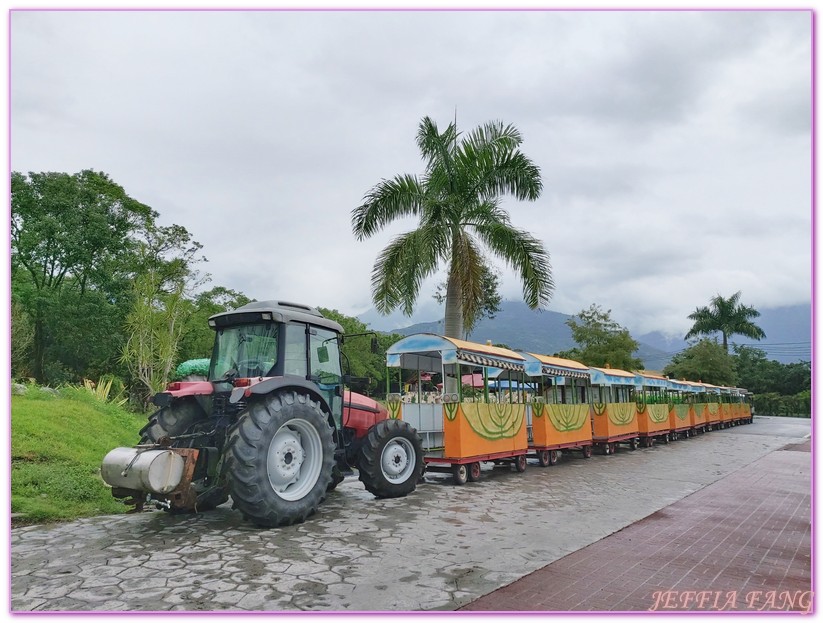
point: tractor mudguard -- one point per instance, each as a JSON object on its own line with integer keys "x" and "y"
{"x": 272, "y": 384}
{"x": 181, "y": 389}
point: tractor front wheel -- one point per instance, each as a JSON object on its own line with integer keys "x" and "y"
{"x": 280, "y": 458}
{"x": 391, "y": 459}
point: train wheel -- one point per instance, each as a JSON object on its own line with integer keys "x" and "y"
{"x": 474, "y": 472}
{"x": 520, "y": 463}
{"x": 460, "y": 474}
{"x": 554, "y": 456}
{"x": 543, "y": 458}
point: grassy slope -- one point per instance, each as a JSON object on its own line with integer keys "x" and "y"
{"x": 57, "y": 445}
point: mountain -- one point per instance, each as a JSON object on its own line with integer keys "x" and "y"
{"x": 787, "y": 328}
{"x": 521, "y": 328}
{"x": 788, "y": 332}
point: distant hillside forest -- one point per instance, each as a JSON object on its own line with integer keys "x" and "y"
{"x": 100, "y": 291}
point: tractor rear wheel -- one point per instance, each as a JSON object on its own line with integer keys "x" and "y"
{"x": 279, "y": 459}
{"x": 171, "y": 421}
{"x": 391, "y": 459}
{"x": 175, "y": 420}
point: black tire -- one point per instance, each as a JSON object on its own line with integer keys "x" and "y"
{"x": 554, "y": 456}
{"x": 171, "y": 421}
{"x": 390, "y": 460}
{"x": 543, "y": 458}
{"x": 175, "y": 420}
{"x": 460, "y": 474}
{"x": 262, "y": 449}
{"x": 520, "y": 463}
{"x": 474, "y": 472}
{"x": 336, "y": 478}
{"x": 632, "y": 444}
{"x": 587, "y": 452}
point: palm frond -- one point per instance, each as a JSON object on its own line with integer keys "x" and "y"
{"x": 388, "y": 200}
{"x": 493, "y": 135}
{"x": 401, "y": 267}
{"x": 726, "y": 316}
{"x": 434, "y": 146}
{"x": 526, "y": 255}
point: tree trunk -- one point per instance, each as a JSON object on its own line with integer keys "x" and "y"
{"x": 454, "y": 308}
{"x": 39, "y": 348}
{"x": 725, "y": 342}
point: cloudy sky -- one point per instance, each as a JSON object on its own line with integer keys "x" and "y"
{"x": 675, "y": 147}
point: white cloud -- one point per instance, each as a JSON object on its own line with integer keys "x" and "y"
{"x": 675, "y": 146}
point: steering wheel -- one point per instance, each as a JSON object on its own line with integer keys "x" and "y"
{"x": 251, "y": 367}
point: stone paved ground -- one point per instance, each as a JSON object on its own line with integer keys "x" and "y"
{"x": 442, "y": 547}
{"x": 742, "y": 543}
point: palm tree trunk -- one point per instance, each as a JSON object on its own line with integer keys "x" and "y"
{"x": 454, "y": 322}
{"x": 725, "y": 342}
{"x": 454, "y": 308}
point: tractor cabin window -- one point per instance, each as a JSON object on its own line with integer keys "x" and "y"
{"x": 244, "y": 351}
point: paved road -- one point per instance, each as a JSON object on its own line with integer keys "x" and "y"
{"x": 440, "y": 548}
{"x": 742, "y": 543}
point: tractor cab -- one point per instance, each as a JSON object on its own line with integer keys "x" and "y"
{"x": 264, "y": 340}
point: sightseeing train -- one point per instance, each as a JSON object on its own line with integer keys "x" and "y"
{"x": 272, "y": 426}
{"x": 493, "y": 404}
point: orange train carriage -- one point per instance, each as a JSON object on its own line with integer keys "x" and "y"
{"x": 495, "y": 405}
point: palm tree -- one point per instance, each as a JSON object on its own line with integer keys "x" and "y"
{"x": 726, "y": 316}
{"x": 457, "y": 200}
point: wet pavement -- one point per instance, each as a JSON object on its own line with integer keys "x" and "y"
{"x": 440, "y": 548}
{"x": 743, "y": 543}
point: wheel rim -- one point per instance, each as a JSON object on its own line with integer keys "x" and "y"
{"x": 294, "y": 460}
{"x": 461, "y": 472}
{"x": 396, "y": 460}
{"x": 475, "y": 471}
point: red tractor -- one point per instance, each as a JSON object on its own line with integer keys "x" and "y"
{"x": 272, "y": 427}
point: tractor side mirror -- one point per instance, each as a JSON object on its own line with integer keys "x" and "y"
{"x": 323, "y": 354}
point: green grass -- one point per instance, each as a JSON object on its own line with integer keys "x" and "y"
{"x": 57, "y": 445}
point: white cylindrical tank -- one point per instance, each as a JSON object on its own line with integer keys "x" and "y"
{"x": 157, "y": 471}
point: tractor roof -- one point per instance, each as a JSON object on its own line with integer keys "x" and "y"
{"x": 281, "y": 311}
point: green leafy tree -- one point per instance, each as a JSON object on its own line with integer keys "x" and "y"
{"x": 155, "y": 323}
{"x": 601, "y": 341}
{"x": 68, "y": 233}
{"x": 755, "y": 372}
{"x": 490, "y": 299}
{"x": 762, "y": 376}
{"x": 197, "y": 337}
{"x": 727, "y": 317}
{"x": 706, "y": 361}
{"x": 457, "y": 201}
{"x": 22, "y": 335}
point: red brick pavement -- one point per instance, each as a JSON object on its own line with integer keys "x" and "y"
{"x": 742, "y": 543}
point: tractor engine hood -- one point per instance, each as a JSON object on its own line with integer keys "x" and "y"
{"x": 361, "y": 413}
